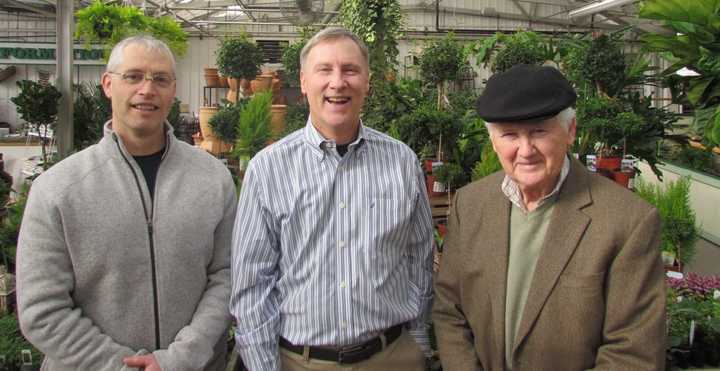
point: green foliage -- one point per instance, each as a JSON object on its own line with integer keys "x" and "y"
{"x": 225, "y": 122}
{"x": 12, "y": 343}
{"x": 604, "y": 65}
{"x": 390, "y": 101}
{"x": 108, "y": 24}
{"x": 695, "y": 158}
{"x": 296, "y": 118}
{"x": 450, "y": 174}
{"x": 10, "y": 227}
{"x": 502, "y": 51}
{"x": 38, "y": 105}
{"x": 441, "y": 60}
{"x": 291, "y": 57}
{"x": 693, "y": 45}
{"x": 679, "y": 232}
{"x": 488, "y": 164}
{"x": 379, "y": 24}
{"x": 91, "y": 110}
{"x": 423, "y": 127}
{"x": 253, "y": 129}
{"x": 239, "y": 57}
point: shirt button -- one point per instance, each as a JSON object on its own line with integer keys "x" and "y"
{"x": 341, "y": 244}
{"x": 342, "y": 205}
{"x": 343, "y": 284}
{"x": 343, "y": 324}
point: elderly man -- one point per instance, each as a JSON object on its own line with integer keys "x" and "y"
{"x": 332, "y": 241}
{"x": 121, "y": 265}
{"x": 546, "y": 266}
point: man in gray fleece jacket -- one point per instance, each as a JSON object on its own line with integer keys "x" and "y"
{"x": 123, "y": 254}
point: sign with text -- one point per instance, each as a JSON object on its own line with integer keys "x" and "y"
{"x": 33, "y": 53}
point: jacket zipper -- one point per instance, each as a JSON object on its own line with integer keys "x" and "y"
{"x": 152, "y": 248}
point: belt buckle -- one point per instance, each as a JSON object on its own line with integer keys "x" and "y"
{"x": 349, "y": 352}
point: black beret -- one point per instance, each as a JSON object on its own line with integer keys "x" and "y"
{"x": 525, "y": 93}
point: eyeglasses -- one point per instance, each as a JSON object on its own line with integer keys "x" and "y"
{"x": 161, "y": 80}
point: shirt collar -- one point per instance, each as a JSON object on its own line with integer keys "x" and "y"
{"x": 512, "y": 191}
{"x": 319, "y": 144}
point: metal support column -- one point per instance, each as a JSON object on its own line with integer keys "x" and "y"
{"x": 64, "y": 64}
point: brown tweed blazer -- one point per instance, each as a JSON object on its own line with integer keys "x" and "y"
{"x": 597, "y": 298}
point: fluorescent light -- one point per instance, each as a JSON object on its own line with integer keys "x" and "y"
{"x": 686, "y": 72}
{"x": 598, "y": 7}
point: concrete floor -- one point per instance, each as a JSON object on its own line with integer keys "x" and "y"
{"x": 707, "y": 259}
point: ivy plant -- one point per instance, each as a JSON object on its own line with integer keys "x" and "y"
{"x": 379, "y": 24}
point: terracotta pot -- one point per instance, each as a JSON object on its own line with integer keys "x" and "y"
{"x": 430, "y": 184}
{"x": 223, "y": 81}
{"x": 277, "y": 119}
{"x": 211, "y": 78}
{"x": 609, "y": 163}
{"x": 624, "y": 178}
{"x": 260, "y": 84}
{"x": 205, "y": 114}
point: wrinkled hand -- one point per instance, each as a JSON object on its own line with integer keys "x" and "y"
{"x": 146, "y": 362}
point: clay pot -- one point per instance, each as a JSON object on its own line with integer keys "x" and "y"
{"x": 261, "y": 83}
{"x": 609, "y": 163}
{"x": 277, "y": 119}
{"x": 211, "y": 78}
{"x": 223, "y": 81}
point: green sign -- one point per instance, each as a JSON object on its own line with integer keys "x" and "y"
{"x": 48, "y": 54}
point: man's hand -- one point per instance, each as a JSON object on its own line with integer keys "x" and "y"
{"x": 146, "y": 362}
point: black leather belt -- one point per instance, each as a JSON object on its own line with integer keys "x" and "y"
{"x": 347, "y": 354}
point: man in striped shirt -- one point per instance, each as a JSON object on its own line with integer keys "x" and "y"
{"x": 332, "y": 256}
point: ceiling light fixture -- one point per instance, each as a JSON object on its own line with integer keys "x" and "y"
{"x": 597, "y": 7}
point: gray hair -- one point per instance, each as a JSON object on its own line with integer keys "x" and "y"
{"x": 146, "y": 41}
{"x": 333, "y": 33}
{"x": 564, "y": 117}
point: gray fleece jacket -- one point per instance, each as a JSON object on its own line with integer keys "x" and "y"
{"x": 104, "y": 272}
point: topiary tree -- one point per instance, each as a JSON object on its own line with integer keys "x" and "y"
{"x": 441, "y": 61}
{"x": 291, "y": 56}
{"x": 239, "y": 57}
{"x": 38, "y": 105}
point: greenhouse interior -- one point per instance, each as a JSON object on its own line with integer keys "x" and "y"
{"x": 520, "y": 184}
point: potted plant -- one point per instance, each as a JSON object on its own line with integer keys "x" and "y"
{"x": 107, "y": 24}
{"x": 10, "y": 227}
{"x": 679, "y": 232}
{"x": 224, "y": 122}
{"x": 693, "y": 317}
{"x": 238, "y": 58}
{"x": 37, "y": 104}
{"x": 253, "y": 128}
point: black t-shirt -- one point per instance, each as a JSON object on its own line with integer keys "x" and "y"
{"x": 342, "y": 149}
{"x": 149, "y": 165}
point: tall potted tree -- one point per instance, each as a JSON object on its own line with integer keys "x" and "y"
{"x": 37, "y": 104}
{"x": 238, "y": 58}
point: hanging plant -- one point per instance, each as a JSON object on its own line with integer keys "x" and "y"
{"x": 239, "y": 57}
{"x": 379, "y": 24}
{"x": 108, "y": 24}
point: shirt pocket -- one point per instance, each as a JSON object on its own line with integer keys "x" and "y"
{"x": 389, "y": 219}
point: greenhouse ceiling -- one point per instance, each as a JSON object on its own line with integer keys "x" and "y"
{"x": 213, "y": 18}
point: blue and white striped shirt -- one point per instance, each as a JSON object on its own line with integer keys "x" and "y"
{"x": 329, "y": 250}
